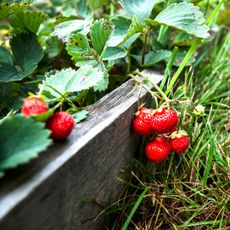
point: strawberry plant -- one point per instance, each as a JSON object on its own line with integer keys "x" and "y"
{"x": 58, "y": 57}
{"x": 183, "y": 191}
{"x": 69, "y": 54}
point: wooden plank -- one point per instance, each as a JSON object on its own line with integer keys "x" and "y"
{"x": 63, "y": 188}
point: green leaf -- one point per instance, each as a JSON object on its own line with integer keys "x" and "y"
{"x": 113, "y": 53}
{"x": 152, "y": 58}
{"x": 21, "y": 140}
{"x": 103, "y": 84}
{"x": 124, "y": 30}
{"x": 82, "y": 8}
{"x": 8, "y": 72}
{"x": 140, "y": 8}
{"x": 78, "y": 47}
{"x": 81, "y": 115}
{"x": 126, "y": 44}
{"x": 121, "y": 27}
{"x": 26, "y": 55}
{"x": 183, "y": 16}
{"x": 64, "y": 29}
{"x": 6, "y": 9}
{"x": 54, "y": 47}
{"x": 69, "y": 80}
{"x": 135, "y": 27}
{"x": 10, "y": 96}
{"x": 27, "y": 21}
{"x": 45, "y": 116}
{"x": 99, "y": 34}
{"x": 95, "y": 4}
{"x": 5, "y": 56}
{"x": 93, "y": 63}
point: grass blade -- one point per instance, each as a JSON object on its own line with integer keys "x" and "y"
{"x": 125, "y": 226}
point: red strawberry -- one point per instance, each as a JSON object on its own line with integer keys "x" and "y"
{"x": 33, "y": 106}
{"x": 164, "y": 120}
{"x": 179, "y": 141}
{"x": 61, "y": 125}
{"x": 158, "y": 149}
{"x": 142, "y": 123}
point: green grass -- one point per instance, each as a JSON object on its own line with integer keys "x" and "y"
{"x": 191, "y": 191}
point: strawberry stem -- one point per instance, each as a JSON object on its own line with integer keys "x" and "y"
{"x": 146, "y": 33}
{"x": 142, "y": 85}
{"x": 167, "y": 100}
{"x": 63, "y": 96}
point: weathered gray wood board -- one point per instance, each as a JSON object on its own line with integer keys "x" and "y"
{"x": 56, "y": 190}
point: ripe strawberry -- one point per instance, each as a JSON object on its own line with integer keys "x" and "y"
{"x": 33, "y": 106}
{"x": 179, "y": 141}
{"x": 164, "y": 120}
{"x": 61, "y": 125}
{"x": 158, "y": 149}
{"x": 142, "y": 123}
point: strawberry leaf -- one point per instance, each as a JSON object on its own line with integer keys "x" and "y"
{"x": 83, "y": 9}
{"x": 152, "y": 58}
{"x": 69, "y": 80}
{"x": 5, "y": 56}
{"x": 10, "y": 96}
{"x": 95, "y": 4}
{"x": 124, "y": 30}
{"x": 182, "y": 16}
{"x": 80, "y": 116}
{"x": 135, "y": 27}
{"x": 26, "y": 21}
{"x": 103, "y": 84}
{"x": 21, "y": 140}
{"x": 140, "y": 8}
{"x": 64, "y": 29}
{"x": 99, "y": 34}
{"x": 113, "y": 53}
{"x": 26, "y": 55}
{"x": 44, "y": 116}
{"x": 121, "y": 27}
{"x": 78, "y": 47}
{"x": 6, "y": 9}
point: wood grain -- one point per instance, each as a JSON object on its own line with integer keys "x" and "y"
{"x": 66, "y": 187}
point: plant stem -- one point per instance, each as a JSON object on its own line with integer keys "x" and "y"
{"x": 63, "y": 96}
{"x": 146, "y": 33}
{"x": 154, "y": 84}
{"x": 141, "y": 83}
{"x": 129, "y": 61}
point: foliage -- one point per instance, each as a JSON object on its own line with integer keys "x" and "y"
{"x": 189, "y": 190}
{"x": 73, "y": 52}
{"x": 23, "y": 139}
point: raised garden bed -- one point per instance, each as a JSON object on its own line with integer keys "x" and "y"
{"x": 64, "y": 187}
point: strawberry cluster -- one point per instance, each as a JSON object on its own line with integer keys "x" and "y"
{"x": 162, "y": 123}
{"x": 60, "y": 123}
